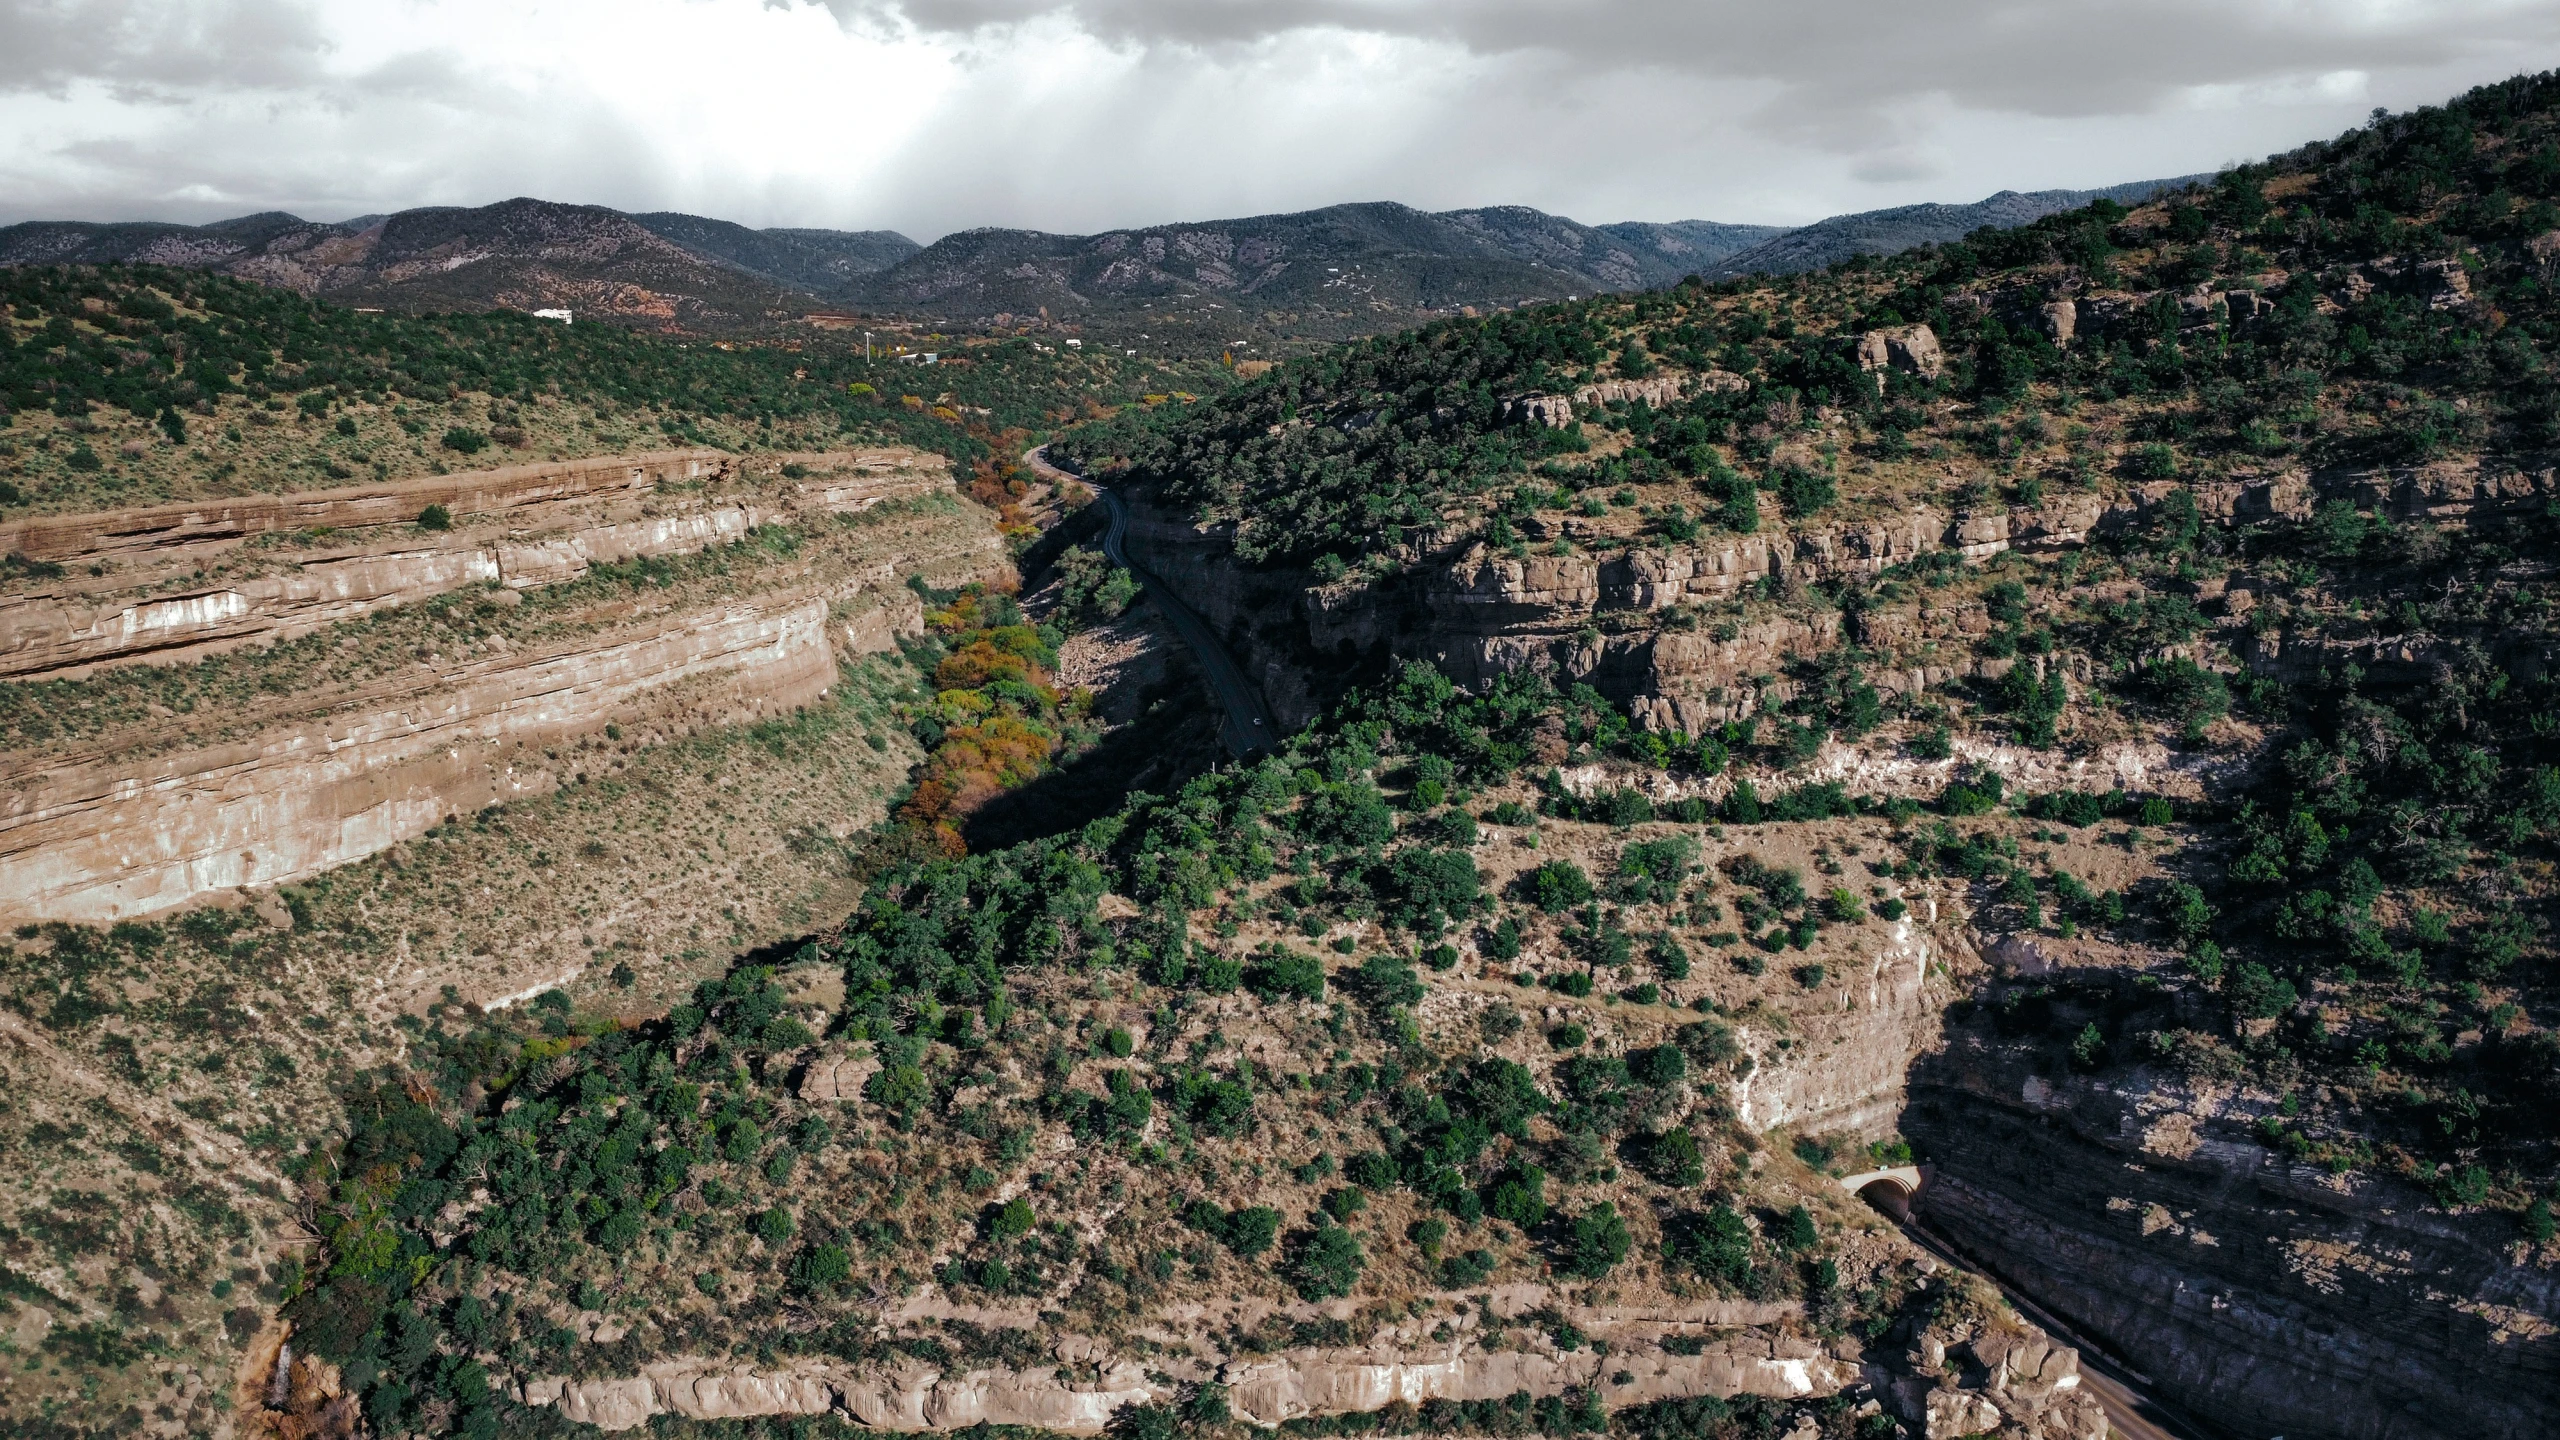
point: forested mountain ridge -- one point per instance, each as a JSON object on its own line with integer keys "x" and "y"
{"x": 654, "y": 270}
{"x": 1891, "y": 231}
{"x": 818, "y": 261}
{"x": 1323, "y": 274}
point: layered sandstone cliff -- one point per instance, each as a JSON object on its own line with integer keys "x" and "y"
{"x": 1399, "y": 1365}
{"x": 2269, "y": 1293}
{"x": 136, "y": 818}
{"x": 171, "y": 582}
{"x": 1597, "y": 601}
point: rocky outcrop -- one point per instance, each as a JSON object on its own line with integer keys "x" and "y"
{"x": 1596, "y": 613}
{"x": 184, "y": 525}
{"x": 1658, "y": 391}
{"x": 1475, "y": 611}
{"x": 1845, "y": 1070}
{"x": 174, "y": 582}
{"x": 1972, "y": 1379}
{"x": 1297, "y": 1384}
{"x": 2270, "y": 1294}
{"x": 99, "y": 838}
{"x": 1266, "y": 1390}
{"x": 1911, "y": 349}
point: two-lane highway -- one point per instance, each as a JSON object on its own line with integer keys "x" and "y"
{"x": 1249, "y": 728}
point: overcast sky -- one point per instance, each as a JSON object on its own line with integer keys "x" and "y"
{"x": 1079, "y": 115}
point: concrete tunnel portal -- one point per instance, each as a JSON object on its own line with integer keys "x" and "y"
{"x": 1890, "y": 1190}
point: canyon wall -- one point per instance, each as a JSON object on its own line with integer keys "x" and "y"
{"x": 148, "y": 816}
{"x": 1398, "y": 1364}
{"x": 2269, "y": 1294}
{"x": 1608, "y": 612}
{"x": 173, "y": 582}
{"x": 105, "y": 839}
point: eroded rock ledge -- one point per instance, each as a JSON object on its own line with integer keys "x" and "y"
{"x": 1265, "y": 1390}
{"x": 144, "y": 817}
{"x": 172, "y": 582}
{"x": 1475, "y": 612}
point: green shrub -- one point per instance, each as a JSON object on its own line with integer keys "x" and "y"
{"x": 1324, "y": 1262}
{"x": 1806, "y": 491}
{"x": 1011, "y": 1219}
{"x": 1279, "y": 973}
{"x": 1797, "y": 1231}
{"x": 1558, "y": 886}
{"x": 1519, "y": 1195}
{"x": 1672, "y": 1158}
{"x": 1597, "y": 1241}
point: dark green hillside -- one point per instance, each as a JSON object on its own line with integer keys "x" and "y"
{"x": 2435, "y": 205}
{"x": 2373, "y": 917}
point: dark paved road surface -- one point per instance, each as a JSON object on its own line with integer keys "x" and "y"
{"x": 1248, "y": 728}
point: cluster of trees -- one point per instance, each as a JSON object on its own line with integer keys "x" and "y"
{"x": 161, "y": 343}
{"x": 588, "y": 1134}
{"x": 996, "y": 718}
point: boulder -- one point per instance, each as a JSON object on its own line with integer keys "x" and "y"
{"x": 837, "y": 1076}
{"x": 1553, "y": 411}
{"x": 1954, "y": 1413}
{"x": 2445, "y": 283}
{"x": 741, "y": 1395}
{"x": 1912, "y": 349}
{"x": 623, "y": 1404}
{"x": 2060, "y": 320}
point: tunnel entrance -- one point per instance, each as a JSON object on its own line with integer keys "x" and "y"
{"x": 1890, "y": 1191}
{"x": 1887, "y": 1196}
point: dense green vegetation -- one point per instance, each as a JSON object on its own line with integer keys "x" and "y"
{"x": 1349, "y": 451}
{"x": 2380, "y": 932}
{"x": 197, "y": 354}
{"x": 2363, "y": 931}
{"x": 605, "y": 1149}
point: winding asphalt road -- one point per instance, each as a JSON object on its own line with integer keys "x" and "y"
{"x": 1249, "y": 729}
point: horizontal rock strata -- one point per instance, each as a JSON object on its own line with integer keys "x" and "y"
{"x": 148, "y": 816}
{"x": 1267, "y": 1391}
{"x": 175, "y": 582}
{"x": 102, "y": 840}
{"x": 1590, "y": 615}
{"x": 2265, "y": 1293}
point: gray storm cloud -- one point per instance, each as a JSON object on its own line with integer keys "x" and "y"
{"x": 159, "y": 49}
{"x": 1087, "y": 114}
{"x": 2039, "y": 57}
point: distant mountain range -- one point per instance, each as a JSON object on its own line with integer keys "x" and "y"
{"x": 1883, "y": 232}
{"x": 1344, "y": 269}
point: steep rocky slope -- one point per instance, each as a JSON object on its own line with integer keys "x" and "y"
{"x": 521, "y": 254}
{"x": 604, "y": 720}
{"x": 2275, "y": 1294}
{"x": 324, "y": 763}
{"x": 2211, "y": 512}
{"x": 2066, "y": 713}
